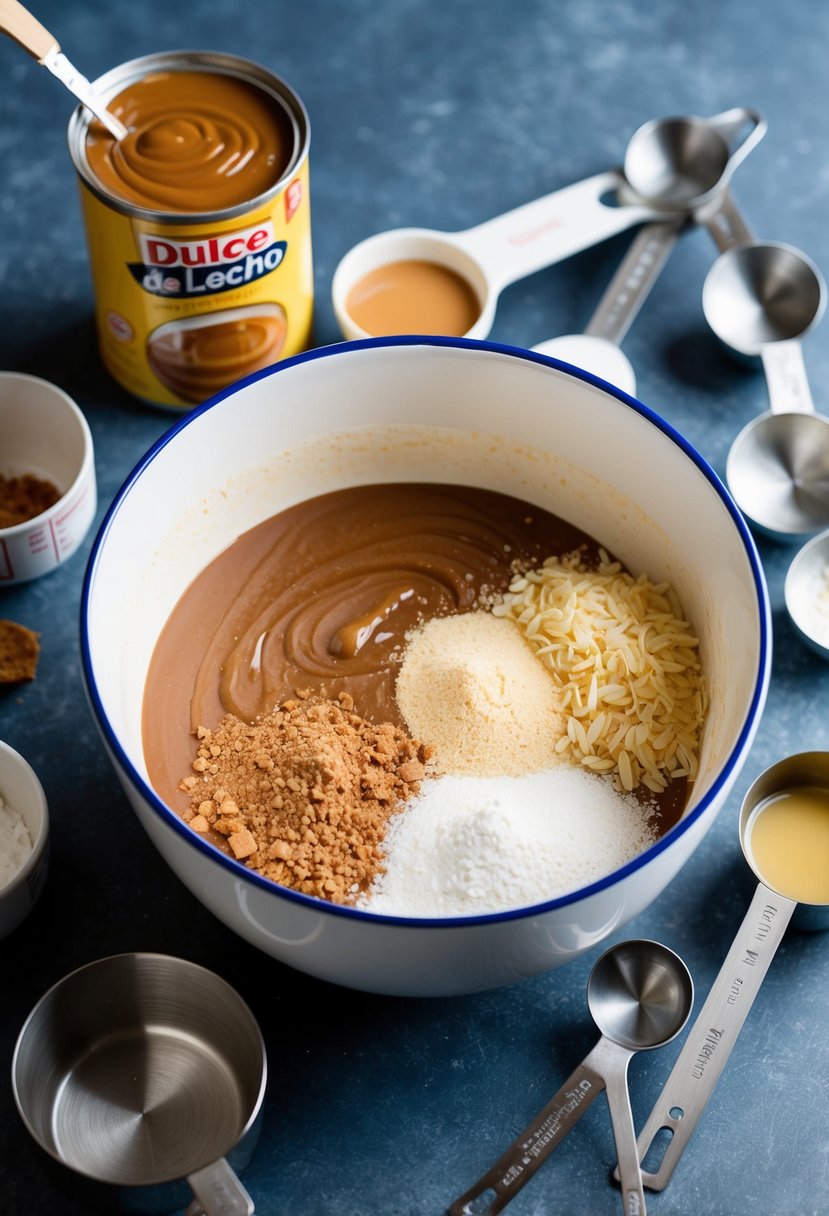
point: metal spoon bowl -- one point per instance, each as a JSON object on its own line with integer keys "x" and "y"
{"x": 640, "y": 995}
{"x": 680, "y": 165}
{"x": 762, "y": 292}
{"x": 760, "y": 299}
{"x": 683, "y": 163}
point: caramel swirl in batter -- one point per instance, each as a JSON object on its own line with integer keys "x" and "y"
{"x": 320, "y": 598}
{"x": 197, "y": 142}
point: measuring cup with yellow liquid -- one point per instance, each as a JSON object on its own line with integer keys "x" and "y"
{"x": 784, "y": 833}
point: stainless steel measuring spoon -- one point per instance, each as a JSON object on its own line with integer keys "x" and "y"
{"x": 716, "y": 1027}
{"x": 500, "y": 251}
{"x": 760, "y": 299}
{"x": 597, "y": 350}
{"x": 143, "y": 1076}
{"x": 640, "y": 995}
{"x": 681, "y": 165}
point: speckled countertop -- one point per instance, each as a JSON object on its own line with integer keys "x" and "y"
{"x": 437, "y": 113}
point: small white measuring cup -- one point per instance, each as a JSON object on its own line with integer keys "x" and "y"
{"x": 500, "y": 251}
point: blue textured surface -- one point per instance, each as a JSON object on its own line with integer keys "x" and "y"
{"x": 437, "y": 114}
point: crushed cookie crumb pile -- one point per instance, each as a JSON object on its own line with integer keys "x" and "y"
{"x": 303, "y": 794}
{"x": 23, "y": 498}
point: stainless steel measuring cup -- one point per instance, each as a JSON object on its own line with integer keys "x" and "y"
{"x": 684, "y": 166}
{"x": 640, "y": 995}
{"x": 144, "y": 1075}
{"x": 761, "y": 299}
{"x": 714, "y": 1031}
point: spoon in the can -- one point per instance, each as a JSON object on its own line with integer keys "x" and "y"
{"x": 640, "y": 995}
{"x": 717, "y": 1025}
{"x": 27, "y": 32}
{"x": 683, "y": 166}
{"x": 760, "y": 299}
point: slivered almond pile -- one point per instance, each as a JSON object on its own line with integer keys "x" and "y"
{"x": 625, "y": 662}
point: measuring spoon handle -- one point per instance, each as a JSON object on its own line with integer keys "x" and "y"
{"x": 549, "y": 229}
{"x": 714, "y": 1032}
{"x": 727, "y": 226}
{"x": 218, "y": 1192}
{"x": 786, "y": 378}
{"x": 624, "y": 1135}
{"x": 744, "y": 122}
{"x": 633, "y": 280}
{"x": 516, "y": 1166}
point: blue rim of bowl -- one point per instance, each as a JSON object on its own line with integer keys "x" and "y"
{"x": 241, "y": 872}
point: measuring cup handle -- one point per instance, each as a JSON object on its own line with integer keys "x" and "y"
{"x": 517, "y": 1165}
{"x": 633, "y": 280}
{"x": 549, "y": 229}
{"x": 218, "y": 1192}
{"x": 727, "y": 226}
{"x": 788, "y": 384}
{"x": 731, "y": 124}
{"x": 714, "y": 1032}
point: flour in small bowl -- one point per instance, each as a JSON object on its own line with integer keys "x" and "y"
{"x": 15, "y": 843}
{"x": 471, "y": 845}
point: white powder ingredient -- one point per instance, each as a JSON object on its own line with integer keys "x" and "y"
{"x": 471, "y": 686}
{"x": 820, "y": 629}
{"x": 471, "y": 845}
{"x": 15, "y": 843}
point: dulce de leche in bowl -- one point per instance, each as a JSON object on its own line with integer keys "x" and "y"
{"x": 198, "y": 223}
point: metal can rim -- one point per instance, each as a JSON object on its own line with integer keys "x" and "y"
{"x": 218, "y": 61}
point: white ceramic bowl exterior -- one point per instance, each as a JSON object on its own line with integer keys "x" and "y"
{"x": 43, "y": 432}
{"x": 427, "y": 410}
{"x": 21, "y": 790}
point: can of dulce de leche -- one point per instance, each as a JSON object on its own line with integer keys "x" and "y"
{"x": 198, "y": 223}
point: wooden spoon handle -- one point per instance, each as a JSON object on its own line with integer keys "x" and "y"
{"x": 26, "y": 30}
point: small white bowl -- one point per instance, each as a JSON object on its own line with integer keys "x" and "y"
{"x": 21, "y": 791}
{"x": 807, "y": 593}
{"x": 452, "y": 411}
{"x": 43, "y": 432}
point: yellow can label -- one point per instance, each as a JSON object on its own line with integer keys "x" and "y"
{"x": 183, "y": 310}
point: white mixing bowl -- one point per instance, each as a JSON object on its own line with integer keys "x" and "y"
{"x": 439, "y": 410}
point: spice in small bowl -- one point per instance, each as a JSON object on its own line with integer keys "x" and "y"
{"x": 22, "y": 498}
{"x": 47, "y": 477}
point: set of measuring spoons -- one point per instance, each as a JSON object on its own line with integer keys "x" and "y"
{"x": 640, "y": 995}
{"x": 760, "y": 298}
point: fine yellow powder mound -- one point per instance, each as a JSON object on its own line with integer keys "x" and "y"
{"x": 471, "y": 686}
